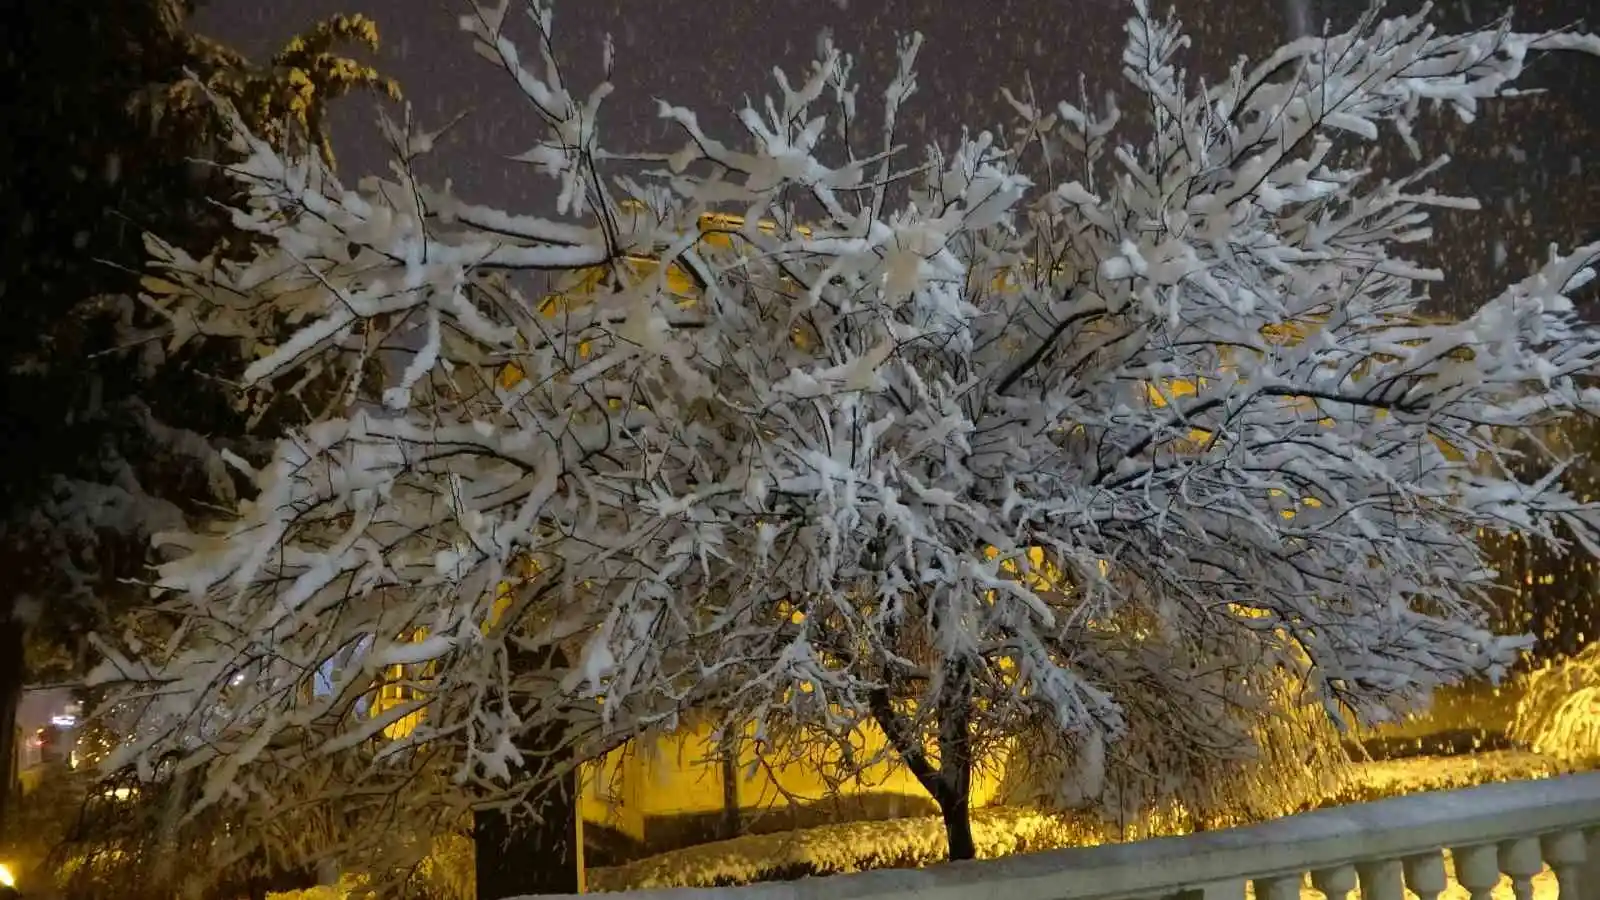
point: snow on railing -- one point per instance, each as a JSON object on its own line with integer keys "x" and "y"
{"x": 1386, "y": 847}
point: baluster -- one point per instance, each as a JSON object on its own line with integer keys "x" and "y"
{"x": 1521, "y": 860}
{"x": 1589, "y": 881}
{"x": 1382, "y": 880}
{"x": 1425, "y": 875}
{"x": 1279, "y": 887}
{"x": 1477, "y": 869}
{"x": 1335, "y": 883}
{"x": 1564, "y": 851}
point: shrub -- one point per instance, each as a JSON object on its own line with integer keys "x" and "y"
{"x": 1559, "y": 713}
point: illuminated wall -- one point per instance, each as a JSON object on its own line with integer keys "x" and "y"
{"x": 681, "y": 775}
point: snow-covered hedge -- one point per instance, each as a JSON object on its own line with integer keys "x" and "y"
{"x": 917, "y": 842}
{"x": 1559, "y": 714}
{"x": 846, "y": 847}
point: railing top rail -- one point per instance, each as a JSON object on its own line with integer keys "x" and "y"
{"x": 1384, "y": 829}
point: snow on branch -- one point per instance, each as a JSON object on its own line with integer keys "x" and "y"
{"x": 812, "y": 433}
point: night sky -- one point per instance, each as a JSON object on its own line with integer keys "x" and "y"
{"x": 1527, "y": 159}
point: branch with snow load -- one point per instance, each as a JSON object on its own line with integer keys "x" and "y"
{"x": 1000, "y": 433}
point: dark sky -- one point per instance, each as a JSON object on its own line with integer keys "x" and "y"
{"x": 1527, "y": 159}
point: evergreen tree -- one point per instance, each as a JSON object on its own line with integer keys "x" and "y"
{"x": 110, "y": 439}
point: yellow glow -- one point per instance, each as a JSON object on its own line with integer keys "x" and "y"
{"x": 6, "y": 878}
{"x": 717, "y": 230}
{"x": 393, "y": 692}
{"x": 1177, "y": 387}
{"x": 502, "y": 602}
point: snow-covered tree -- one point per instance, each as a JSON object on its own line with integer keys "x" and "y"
{"x": 1059, "y": 431}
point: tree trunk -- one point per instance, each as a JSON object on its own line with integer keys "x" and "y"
{"x": 521, "y": 855}
{"x": 11, "y": 678}
{"x": 957, "y": 812}
{"x": 955, "y": 761}
{"x": 950, "y": 785}
{"x": 731, "y": 819}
